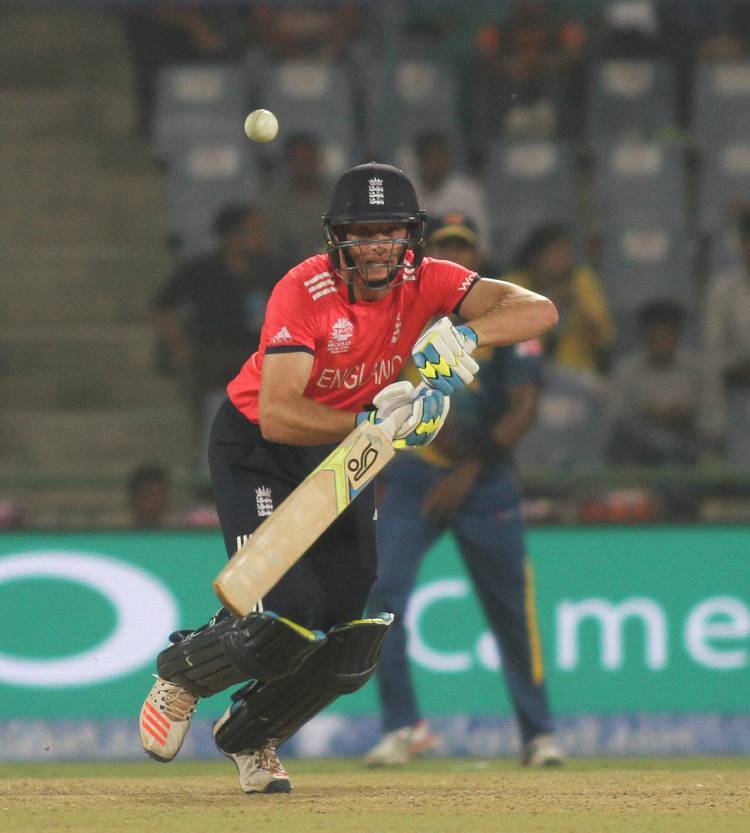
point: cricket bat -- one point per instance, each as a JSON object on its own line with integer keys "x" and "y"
{"x": 297, "y": 523}
{"x": 294, "y": 526}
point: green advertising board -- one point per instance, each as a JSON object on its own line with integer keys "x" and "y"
{"x": 632, "y": 620}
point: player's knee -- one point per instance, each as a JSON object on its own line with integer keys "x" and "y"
{"x": 262, "y": 646}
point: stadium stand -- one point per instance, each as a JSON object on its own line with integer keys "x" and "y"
{"x": 568, "y": 433}
{"x": 635, "y": 99}
{"x": 312, "y": 97}
{"x": 640, "y": 207}
{"x": 538, "y": 179}
{"x": 202, "y": 177}
{"x": 195, "y": 102}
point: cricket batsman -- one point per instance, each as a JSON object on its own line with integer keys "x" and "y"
{"x": 339, "y": 328}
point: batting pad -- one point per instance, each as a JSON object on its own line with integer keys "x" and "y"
{"x": 260, "y": 646}
{"x": 277, "y": 709}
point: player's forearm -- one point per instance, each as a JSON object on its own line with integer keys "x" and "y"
{"x": 511, "y": 314}
{"x": 297, "y": 420}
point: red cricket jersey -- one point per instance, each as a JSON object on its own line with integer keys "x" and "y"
{"x": 359, "y": 348}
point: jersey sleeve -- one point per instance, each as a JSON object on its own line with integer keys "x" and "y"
{"x": 446, "y": 284}
{"x": 289, "y": 325}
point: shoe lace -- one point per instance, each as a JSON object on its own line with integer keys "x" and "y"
{"x": 269, "y": 760}
{"x": 177, "y": 703}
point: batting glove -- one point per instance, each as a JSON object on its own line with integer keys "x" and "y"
{"x": 390, "y": 399}
{"x": 427, "y": 416}
{"x": 443, "y": 356}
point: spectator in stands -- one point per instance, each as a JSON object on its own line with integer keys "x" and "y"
{"x": 297, "y": 201}
{"x": 149, "y": 495}
{"x": 709, "y": 29}
{"x": 727, "y": 315}
{"x": 322, "y": 31}
{"x": 441, "y": 188}
{"x": 454, "y": 236}
{"x": 169, "y": 33}
{"x": 527, "y": 77}
{"x": 660, "y": 396}
{"x": 586, "y": 332}
{"x": 209, "y": 314}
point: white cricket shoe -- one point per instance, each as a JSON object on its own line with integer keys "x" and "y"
{"x": 542, "y": 750}
{"x": 402, "y": 745}
{"x": 165, "y": 719}
{"x": 260, "y": 770}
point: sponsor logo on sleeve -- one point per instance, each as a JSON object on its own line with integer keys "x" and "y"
{"x": 320, "y": 285}
{"x": 467, "y": 283}
{"x": 282, "y": 336}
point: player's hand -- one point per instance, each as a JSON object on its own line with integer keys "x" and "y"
{"x": 388, "y": 401}
{"x": 426, "y": 418}
{"x": 443, "y": 356}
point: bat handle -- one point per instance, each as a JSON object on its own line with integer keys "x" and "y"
{"x": 392, "y": 422}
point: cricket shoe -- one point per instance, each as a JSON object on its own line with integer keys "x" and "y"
{"x": 260, "y": 770}
{"x": 165, "y": 719}
{"x": 402, "y": 745}
{"x": 542, "y": 750}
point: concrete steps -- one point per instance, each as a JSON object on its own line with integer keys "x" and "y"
{"x": 82, "y": 253}
{"x": 93, "y": 440}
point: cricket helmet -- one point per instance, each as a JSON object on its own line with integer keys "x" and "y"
{"x": 373, "y": 193}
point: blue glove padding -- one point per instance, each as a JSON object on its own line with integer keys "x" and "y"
{"x": 443, "y": 356}
{"x": 428, "y": 414}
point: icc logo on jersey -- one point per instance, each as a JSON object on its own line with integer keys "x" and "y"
{"x": 340, "y": 339}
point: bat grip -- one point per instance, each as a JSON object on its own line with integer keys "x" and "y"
{"x": 392, "y": 422}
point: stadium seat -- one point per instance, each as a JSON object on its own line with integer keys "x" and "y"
{"x": 724, "y": 183}
{"x": 639, "y": 210}
{"x": 738, "y": 436}
{"x": 634, "y": 99}
{"x": 198, "y": 102}
{"x": 313, "y": 97}
{"x": 202, "y": 178}
{"x": 640, "y": 181}
{"x": 527, "y": 184}
{"x": 427, "y": 99}
{"x": 568, "y": 430}
{"x": 721, "y": 104}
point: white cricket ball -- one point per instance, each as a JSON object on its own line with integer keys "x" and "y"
{"x": 261, "y": 126}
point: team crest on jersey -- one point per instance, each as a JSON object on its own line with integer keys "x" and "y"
{"x": 263, "y": 501}
{"x": 375, "y": 191}
{"x": 340, "y": 339}
{"x": 396, "y": 328}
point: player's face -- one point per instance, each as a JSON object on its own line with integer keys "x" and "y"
{"x": 376, "y": 253}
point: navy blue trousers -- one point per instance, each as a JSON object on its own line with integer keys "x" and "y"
{"x": 490, "y": 534}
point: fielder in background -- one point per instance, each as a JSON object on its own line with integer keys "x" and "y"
{"x": 464, "y": 482}
{"x": 339, "y": 328}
